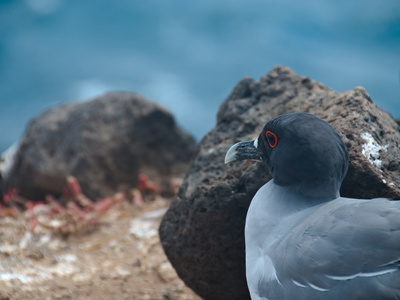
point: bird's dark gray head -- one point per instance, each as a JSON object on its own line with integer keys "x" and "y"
{"x": 303, "y": 153}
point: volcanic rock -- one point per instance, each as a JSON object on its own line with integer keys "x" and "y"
{"x": 203, "y": 231}
{"x": 105, "y": 143}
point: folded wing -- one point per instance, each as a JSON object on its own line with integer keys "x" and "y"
{"x": 342, "y": 240}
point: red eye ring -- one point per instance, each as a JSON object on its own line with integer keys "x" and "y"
{"x": 275, "y": 139}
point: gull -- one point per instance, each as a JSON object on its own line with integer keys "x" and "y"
{"x": 303, "y": 240}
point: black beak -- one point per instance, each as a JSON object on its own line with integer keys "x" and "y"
{"x": 244, "y": 150}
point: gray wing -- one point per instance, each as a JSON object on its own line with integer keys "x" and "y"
{"x": 345, "y": 239}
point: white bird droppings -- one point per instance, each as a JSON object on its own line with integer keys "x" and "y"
{"x": 144, "y": 227}
{"x": 372, "y": 150}
{"x": 11, "y": 276}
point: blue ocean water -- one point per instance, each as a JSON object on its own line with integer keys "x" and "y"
{"x": 188, "y": 55}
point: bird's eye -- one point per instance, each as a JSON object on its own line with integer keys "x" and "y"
{"x": 271, "y": 138}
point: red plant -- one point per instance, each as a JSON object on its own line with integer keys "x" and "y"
{"x": 146, "y": 185}
{"x": 79, "y": 212}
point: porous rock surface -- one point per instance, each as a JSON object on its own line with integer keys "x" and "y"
{"x": 203, "y": 231}
{"x": 106, "y": 143}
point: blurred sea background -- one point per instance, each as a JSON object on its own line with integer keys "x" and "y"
{"x": 188, "y": 55}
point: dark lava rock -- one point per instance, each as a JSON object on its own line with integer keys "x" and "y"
{"x": 106, "y": 143}
{"x": 203, "y": 231}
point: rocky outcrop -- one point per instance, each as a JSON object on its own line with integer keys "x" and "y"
{"x": 106, "y": 143}
{"x": 202, "y": 232}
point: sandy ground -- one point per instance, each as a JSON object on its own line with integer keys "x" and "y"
{"x": 121, "y": 258}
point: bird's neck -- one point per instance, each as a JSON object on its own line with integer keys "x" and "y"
{"x": 270, "y": 211}
{"x": 313, "y": 192}
{"x": 281, "y": 200}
